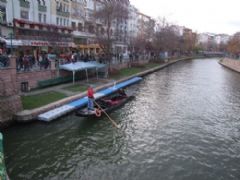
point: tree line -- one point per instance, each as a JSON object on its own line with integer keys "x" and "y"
{"x": 155, "y": 37}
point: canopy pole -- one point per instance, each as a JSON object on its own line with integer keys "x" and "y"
{"x": 73, "y": 77}
{"x": 86, "y": 74}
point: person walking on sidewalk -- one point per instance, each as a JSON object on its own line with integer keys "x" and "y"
{"x": 90, "y": 94}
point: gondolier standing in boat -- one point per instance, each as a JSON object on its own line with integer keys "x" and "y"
{"x": 90, "y": 95}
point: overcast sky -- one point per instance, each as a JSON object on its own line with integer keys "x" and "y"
{"x": 216, "y": 16}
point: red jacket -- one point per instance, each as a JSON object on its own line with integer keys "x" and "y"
{"x": 90, "y": 93}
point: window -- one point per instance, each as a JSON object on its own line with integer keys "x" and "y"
{"x": 40, "y": 17}
{"x": 32, "y": 26}
{"x": 60, "y": 22}
{"x": 80, "y": 27}
{"x": 57, "y": 21}
{"x": 44, "y": 18}
{"x": 74, "y": 25}
{"x": 24, "y": 14}
{"x": 21, "y": 25}
{"x": 64, "y": 22}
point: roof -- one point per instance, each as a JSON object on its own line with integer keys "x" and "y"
{"x": 78, "y": 66}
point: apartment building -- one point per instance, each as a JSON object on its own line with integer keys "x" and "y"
{"x": 57, "y": 25}
{"x": 34, "y": 26}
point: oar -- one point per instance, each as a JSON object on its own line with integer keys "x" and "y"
{"x": 113, "y": 122}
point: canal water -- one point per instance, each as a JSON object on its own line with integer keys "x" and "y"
{"x": 183, "y": 124}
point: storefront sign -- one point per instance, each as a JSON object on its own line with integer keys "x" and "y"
{"x": 47, "y": 43}
{"x": 38, "y": 43}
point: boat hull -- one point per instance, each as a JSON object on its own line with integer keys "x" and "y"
{"x": 88, "y": 113}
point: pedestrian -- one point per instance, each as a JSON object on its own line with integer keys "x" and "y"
{"x": 26, "y": 63}
{"x": 40, "y": 60}
{"x": 90, "y": 94}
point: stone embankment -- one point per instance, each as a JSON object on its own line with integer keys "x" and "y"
{"x": 29, "y": 115}
{"x": 231, "y": 64}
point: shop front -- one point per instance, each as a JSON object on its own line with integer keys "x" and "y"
{"x": 38, "y": 38}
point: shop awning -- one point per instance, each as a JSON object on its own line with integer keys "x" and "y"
{"x": 82, "y": 66}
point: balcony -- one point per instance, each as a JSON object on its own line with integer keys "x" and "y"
{"x": 42, "y": 8}
{"x": 3, "y": 1}
{"x": 61, "y": 13}
{"x": 24, "y": 4}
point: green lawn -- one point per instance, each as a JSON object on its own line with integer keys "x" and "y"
{"x": 35, "y": 101}
{"x": 76, "y": 88}
{"x": 151, "y": 65}
{"x": 133, "y": 70}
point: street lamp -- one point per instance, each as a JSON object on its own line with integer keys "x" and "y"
{"x": 11, "y": 38}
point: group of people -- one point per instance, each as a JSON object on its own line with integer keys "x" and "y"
{"x": 26, "y": 62}
{"x": 4, "y": 59}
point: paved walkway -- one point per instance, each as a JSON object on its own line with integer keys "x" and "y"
{"x": 61, "y": 88}
{"x": 232, "y": 64}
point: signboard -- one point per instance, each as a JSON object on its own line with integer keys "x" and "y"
{"x": 38, "y": 43}
{"x": 14, "y": 42}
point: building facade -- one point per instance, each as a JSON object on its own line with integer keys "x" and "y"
{"x": 37, "y": 26}
{"x": 32, "y": 26}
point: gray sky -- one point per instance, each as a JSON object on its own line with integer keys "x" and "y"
{"x": 216, "y": 16}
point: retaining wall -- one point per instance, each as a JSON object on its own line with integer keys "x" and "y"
{"x": 10, "y": 101}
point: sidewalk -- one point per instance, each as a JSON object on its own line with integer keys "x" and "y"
{"x": 62, "y": 88}
{"x": 232, "y": 64}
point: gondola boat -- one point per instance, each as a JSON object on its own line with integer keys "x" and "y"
{"x": 106, "y": 104}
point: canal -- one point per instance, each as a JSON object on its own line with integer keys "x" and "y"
{"x": 183, "y": 124}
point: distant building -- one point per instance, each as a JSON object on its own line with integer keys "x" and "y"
{"x": 211, "y": 41}
{"x": 178, "y": 30}
{"x": 222, "y": 38}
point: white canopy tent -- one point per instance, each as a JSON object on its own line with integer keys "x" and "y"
{"x": 82, "y": 66}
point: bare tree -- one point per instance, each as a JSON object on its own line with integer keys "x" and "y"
{"x": 233, "y": 46}
{"x": 166, "y": 37}
{"x": 111, "y": 13}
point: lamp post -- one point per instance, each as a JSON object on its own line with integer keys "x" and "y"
{"x": 11, "y": 38}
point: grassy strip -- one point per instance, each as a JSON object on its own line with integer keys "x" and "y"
{"x": 35, "y": 101}
{"x": 133, "y": 70}
{"x": 76, "y": 88}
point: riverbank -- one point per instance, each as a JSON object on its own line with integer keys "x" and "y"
{"x": 30, "y": 115}
{"x": 231, "y": 64}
